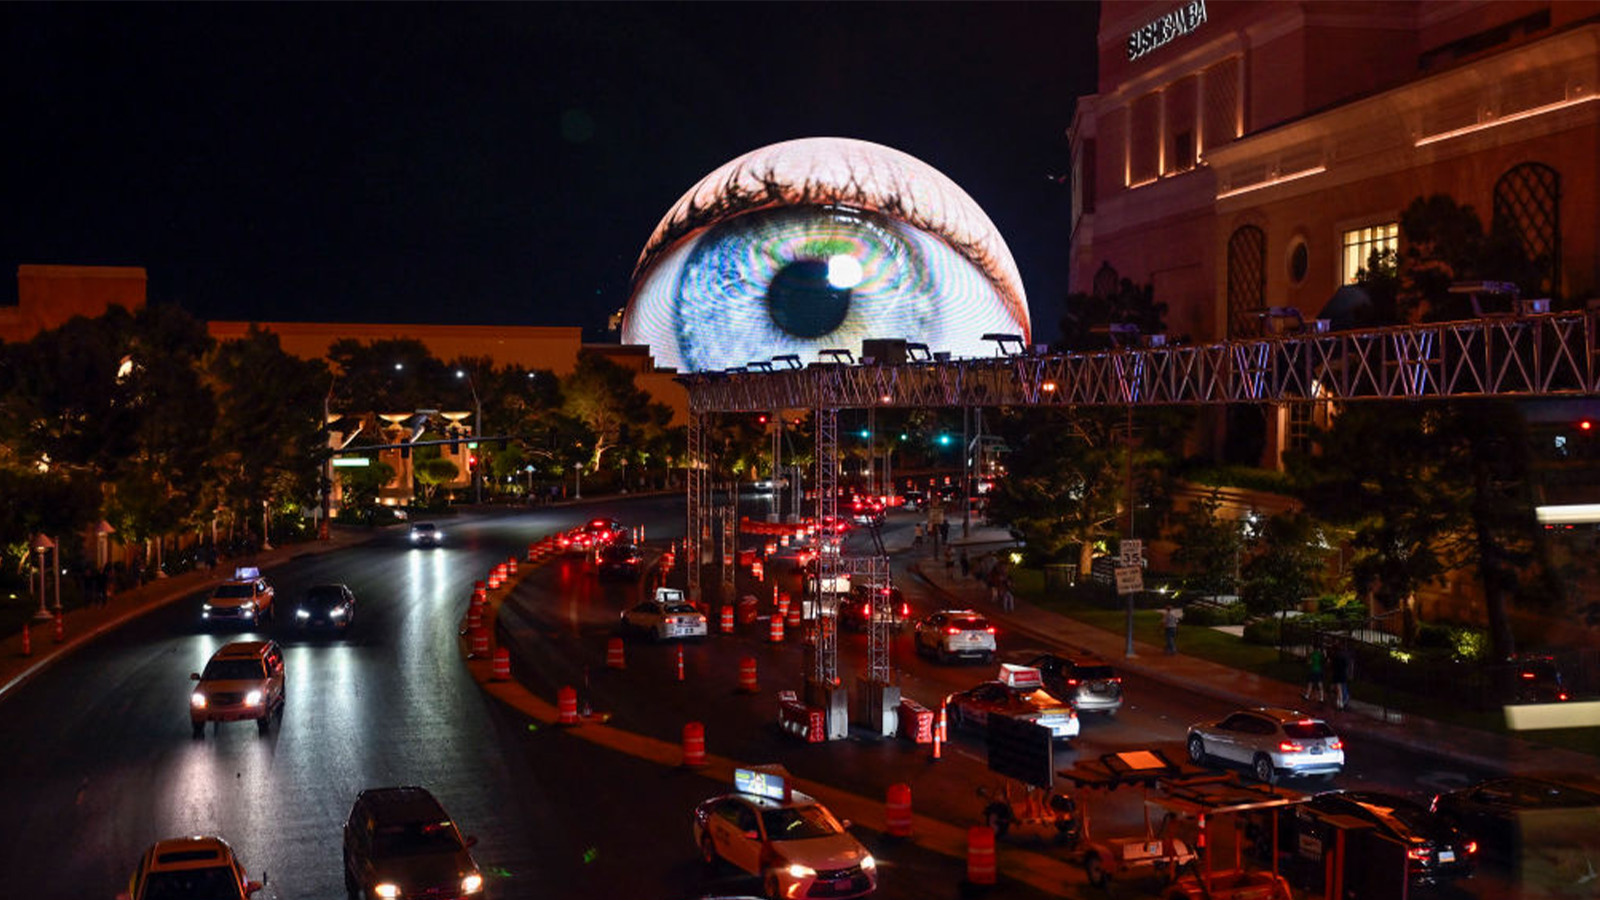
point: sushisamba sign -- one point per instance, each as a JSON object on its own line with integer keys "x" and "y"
{"x": 1166, "y": 29}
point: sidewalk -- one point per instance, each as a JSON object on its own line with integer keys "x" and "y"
{"x": 84, "y": 624}
{"x": 1365, "y": 721}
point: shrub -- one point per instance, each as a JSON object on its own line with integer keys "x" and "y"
{"x": 1262, "y": 631}
{"x": 1208, "y": 615}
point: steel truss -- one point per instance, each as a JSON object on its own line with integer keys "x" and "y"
{"x": 825, "y": 605}
{"x": 697, "y": 482}
{"x": 1550, "y": 354}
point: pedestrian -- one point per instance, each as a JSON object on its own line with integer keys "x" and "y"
{"x": 949, "y": 564}
{"x": 944, "y": 531}
{"x": 916, "y": 542}
{"x": 1316, "y": 674}
{"x": 1341, "y": 668}
{"x": 1008, "y": 600}
{"x": 1170, "y": 617}
{"x": 966, "y": 564}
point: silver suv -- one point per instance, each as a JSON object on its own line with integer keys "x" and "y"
{"x": 955, "y": 634}
{"x": 1087, "y": 682}
{"x": 1270, "y": 741}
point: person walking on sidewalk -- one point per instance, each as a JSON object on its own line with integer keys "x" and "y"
{"x": 949, "y": 563}
{"x": 916, "y": 542}
{"x": 1316, "y": 679}
{"x": 1342, "y": 668}
{"x": 1008, "y": 600}
{"x": 966, "y": 564}
{"x": 1170, "y": 617}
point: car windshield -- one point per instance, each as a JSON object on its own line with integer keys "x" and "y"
{"x": 235, "y": 591}
{"x": 969, "y": 623}
{"x": 619, "y": 551}
{"x": 325, "y": 595}
{"x": 217, "y": 883}
{"x": 678, "y": 608}
{"x": 234, "y": 670}
{"x": 797, "y": 823}
{"x": 415, "y": 839}
{"x": 422, "y": 526}
{"x": 1096, "y": 673}
{"x": 1308, "y": 730}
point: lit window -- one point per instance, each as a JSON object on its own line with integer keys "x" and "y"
{"x": 1361, "y": 243}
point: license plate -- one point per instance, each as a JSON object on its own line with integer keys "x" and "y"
{"x": 973, "y": 639}
{"x": 1447, "y": 856}
{"x": 842, "y": 883}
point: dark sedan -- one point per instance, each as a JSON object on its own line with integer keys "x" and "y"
{"x": 619, "y": 561}
{"x": 1520, "y": 814}
{"x": 1438, "y": 851}
{"x": 330, "y": 606}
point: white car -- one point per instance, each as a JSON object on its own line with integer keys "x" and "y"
{"x": 955, "y": 634}
{"x": 1269, "y": 741}
{"x": 789, "y": 840}
{"x": 665, "y": 616}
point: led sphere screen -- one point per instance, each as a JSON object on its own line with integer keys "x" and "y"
{"x": 816, "y": 244}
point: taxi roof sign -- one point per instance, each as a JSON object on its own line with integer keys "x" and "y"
{"x": 1020, "y": 676}
{"x": 246, "y": 573}
{"x": 771, "y": 782}
{"x": 669, "y": 595}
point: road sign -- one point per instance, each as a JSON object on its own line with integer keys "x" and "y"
{"x": 1022, "y": 750}
{"x": 1132, "y": 552}
{"x": 1130, "y": 580}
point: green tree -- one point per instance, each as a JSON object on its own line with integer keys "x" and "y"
{"x": 1287, "y": 564}
{"x": 1209, "y": 547}
{"x": 603, "y": 397}
{"x": 432, "y": 471}
{"x": 360, "y": 485}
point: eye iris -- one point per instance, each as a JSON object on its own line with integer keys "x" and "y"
{"x": 803, "y": 300}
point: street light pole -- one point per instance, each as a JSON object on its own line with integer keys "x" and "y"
{"x": 477, "y": 432}
{"x": 323, "y": 528}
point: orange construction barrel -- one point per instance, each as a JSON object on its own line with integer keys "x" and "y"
{"x": 897, "y": 811}
{"x": 694, "y": 745}
{"x": 480, "y": 643}
{"x": 747, "y": 675}
{"x": 502, "y": 664}
{"x": 980, "y": 855}
{"x": 566, "y": 706}
{"x": 727, "y": 619}
{"x": 775, "y": 631}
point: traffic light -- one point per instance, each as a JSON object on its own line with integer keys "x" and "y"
{"x": 944, "y": 440}
{"x": 761, "y": 420}
{"x": 472, "y": 463}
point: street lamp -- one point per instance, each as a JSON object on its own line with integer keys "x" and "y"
{"x": 45, "y": 547}
{"x": 477, "y": 432}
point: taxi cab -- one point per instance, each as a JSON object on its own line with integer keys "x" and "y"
{"x": 243, "y": 680}
{"x": 786, "y": 838}
{"x": 1017, "y": 694}
{"x": 246, "y": 597}
{"x": 189, "y": 867}
{"x": 665, "y": 616}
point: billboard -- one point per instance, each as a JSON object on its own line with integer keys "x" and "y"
{"x": 821, "y": 243}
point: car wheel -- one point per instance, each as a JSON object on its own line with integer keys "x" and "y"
{"x": 1262, "y": 767}
{"x": 199, "y": 731}
{"x": 773, "y": 889}
{"x": 351, "y": 889}
{"x": 944, "y": 655}
{"x": 264, "y": 724}
{"x": 1197, "y": 750}
{"x": 1096, "y": 871}
{"x": 708, "y": 852}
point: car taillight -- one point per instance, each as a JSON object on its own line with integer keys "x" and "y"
{"x": 1336, "y": 744}
{"x": 1472, "y": 847}
{"x": 1072, "y": 682}
{"x": 905, "y": 610}
{"x": 1528, "y": 675}
{"x": 1561, "y": 696}
{"x": 1421, "y": 853}
{"x": 951, "y": 629}
{"x": 1289, "y": 747}
{"x": 1116, "y": 680}
{"x": 990, "y": 629}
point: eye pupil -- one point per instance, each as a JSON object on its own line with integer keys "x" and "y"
{"x": 804, "y": 302}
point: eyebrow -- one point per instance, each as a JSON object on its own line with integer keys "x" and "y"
{"x": 843, "y": 172}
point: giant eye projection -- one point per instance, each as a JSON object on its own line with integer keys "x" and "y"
{"x": 821, "y": 243}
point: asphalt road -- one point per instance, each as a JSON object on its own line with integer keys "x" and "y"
{"x": 101, "y": 761}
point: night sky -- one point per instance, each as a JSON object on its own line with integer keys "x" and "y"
{"x": 492, "y": 163}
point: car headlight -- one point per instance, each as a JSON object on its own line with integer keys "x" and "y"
{"x": 205, "y": 607}
{"x": 252, "y": 699}
{"x": 338, "y": 612}
{"x": 386, "y": 889}
{"x": 868, "y": 864}
{"x": 800, "y": 870}
{"x": 472, "y": 883}
{"x": 197, "y": 700}
{"x": 301, "y": 614}
{"x": 248, "y": 605}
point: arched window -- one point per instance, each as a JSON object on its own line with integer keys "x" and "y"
{"x": 1247, "y": 280}
{"x": 1527, "y": 206}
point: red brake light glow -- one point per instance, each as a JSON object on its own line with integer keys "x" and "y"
{"x": 1289, "y": 747}
{"x": 990, "y": 629}
{"x": 1336, "y": 744}
{"x": 1418, "y": 853}
{"x": 952, "y": 630}
{"x": 1472, "y": 847}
